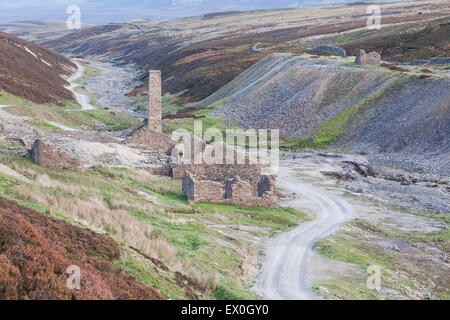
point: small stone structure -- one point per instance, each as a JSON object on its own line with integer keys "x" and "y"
{"x": 367, "y": 58}
{"x": 230, "y": 184}
{"x": 336, "y": 50}
{"x": 47, "y": 155}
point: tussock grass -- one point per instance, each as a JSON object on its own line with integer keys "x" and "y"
{"x": 149, "y": 213}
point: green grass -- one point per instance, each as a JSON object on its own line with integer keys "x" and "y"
{"x": 146, "y": 273}
{"x": 11, "y": 145}
{"x": 188, "y": 229}
{"x": 225, "y": 292}
{"x": 353, "y": 247}
{"x": 342, "y": 247}
{"x": 275, "y": 219}
{"x": 115, "y": 120}
{"x": 188, "y": 125}
{"x": 345, "y": 289}
{"x": 333, "y": 128}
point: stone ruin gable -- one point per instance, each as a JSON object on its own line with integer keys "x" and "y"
{"x": 232, "y": 191}
{"x": 367, "y": 58}
{"x": 48, "y": 155}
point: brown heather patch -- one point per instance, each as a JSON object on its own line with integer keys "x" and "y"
{"x": 197, "y": 56}
{"x": 35, "y": 252}
{"x": 32, "y": 72}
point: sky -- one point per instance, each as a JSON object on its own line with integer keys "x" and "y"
{"x": 107, "y": 11}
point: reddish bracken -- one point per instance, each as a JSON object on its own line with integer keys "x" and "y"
{"x": 36, "y": 250}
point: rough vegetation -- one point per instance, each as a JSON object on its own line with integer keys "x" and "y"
{"x": 36, "y": 252}
{"x": 29, "y": 71}
{"x": 158, "y": 231}
{"x": 199, "y": 55}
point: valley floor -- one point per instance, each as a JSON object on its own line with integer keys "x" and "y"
{"x": 320, "y": 244}
{"x": 354, "y": 229}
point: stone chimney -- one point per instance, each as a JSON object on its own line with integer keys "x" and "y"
{"x": 154, "y": 103}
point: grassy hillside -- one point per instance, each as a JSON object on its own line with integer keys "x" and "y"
{"x": 183, "y": 250}
{"x": 36, "y": 250}
{"x": 29, "y": 71}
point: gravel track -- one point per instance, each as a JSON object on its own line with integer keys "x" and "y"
{"x": 287, "y": 257}
{"x": 82, "y": 99}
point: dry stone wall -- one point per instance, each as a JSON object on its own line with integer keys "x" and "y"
{"x": 336, "y": 50}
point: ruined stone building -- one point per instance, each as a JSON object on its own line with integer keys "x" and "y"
{"x": 150, "y": 149}
{"x": 241, "y": 184}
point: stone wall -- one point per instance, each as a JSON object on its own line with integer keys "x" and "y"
{"x": 202, "y": 190}
{"x": 440, "y": 60}
{"x": 220, "y": 172}
{"x": 47, "y": 155}
{"x": 234, "y": 190}
{"x": 154, "y": 106}
{"x": 337, "y": 50}
{"x": 367, "y": 58}
{"x": 417, "y": 62}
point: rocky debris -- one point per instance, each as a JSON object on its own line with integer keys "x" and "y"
{"x": 367, "y": 58}
{"x": 340, "y": 175}
{"x": 73, "y": 154}
{"x": 403, "y": 188}
{"x": 148, "y": 139}
{"x": 330, "y": 155}
{"x": 36, "y": 252}
{"x": 399, "y": 118}
{"x": 440, "y": 60}
{"x": 362, "y": 166}
{"x": 421, "y": 190}
{"x": 417, "y": 62}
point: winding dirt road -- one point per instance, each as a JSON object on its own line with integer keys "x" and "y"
{"x": 287, "y": 257}
{"x": 82, "y": 99}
